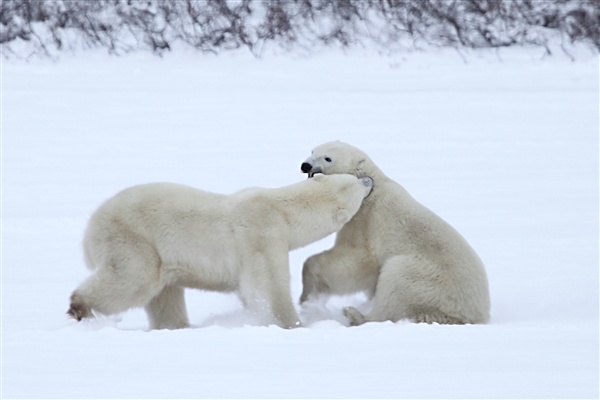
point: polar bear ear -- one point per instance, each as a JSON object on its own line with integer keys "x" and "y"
{"x": 359, "y": 171}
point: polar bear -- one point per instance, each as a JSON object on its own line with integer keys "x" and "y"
{"x": 410, "y": 262}
{"x": 149, "y": 242}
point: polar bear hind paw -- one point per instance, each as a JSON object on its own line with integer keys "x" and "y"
{"x": 78, "y": 309}
{"x": 354, "y": 316}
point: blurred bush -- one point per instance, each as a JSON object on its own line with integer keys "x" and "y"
{"x": 46, "y": 27}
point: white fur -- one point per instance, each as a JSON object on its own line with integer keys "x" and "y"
{"x": 151, "y": 241}
{"x": 407, "y": 259}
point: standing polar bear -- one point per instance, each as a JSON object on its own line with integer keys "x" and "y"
{"x": 149, "y": 242}
{"x": 407, "y": 259}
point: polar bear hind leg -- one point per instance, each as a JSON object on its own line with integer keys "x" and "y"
{"x": 126, "y": 276}
{"x": 402, "y": 293}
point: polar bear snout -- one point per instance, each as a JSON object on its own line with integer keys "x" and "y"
{"x": 309, "y": 169}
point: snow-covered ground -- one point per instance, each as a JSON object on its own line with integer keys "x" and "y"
{"x": 503, "y": 146}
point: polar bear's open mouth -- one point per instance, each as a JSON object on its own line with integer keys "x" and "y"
{"x": 309, "y": 169}
{"x": 314, "y": 171}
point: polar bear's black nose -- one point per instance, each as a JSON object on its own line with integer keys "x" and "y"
{"x": 305, "y": 167}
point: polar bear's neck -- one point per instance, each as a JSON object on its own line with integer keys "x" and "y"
{"x": 366, "y": 167}
{"x": 307, "y": 217}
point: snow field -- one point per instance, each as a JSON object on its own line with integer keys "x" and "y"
{"x": 504, "y": 147}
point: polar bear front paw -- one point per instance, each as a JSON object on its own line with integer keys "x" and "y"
{"x": 354, "y": 316}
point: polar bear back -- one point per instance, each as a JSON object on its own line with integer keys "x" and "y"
{"x": 409, "y": 228}
{"x": 413, "y": 228}
{"x": 188, "y": 225}
{"x": 183, "y": 224}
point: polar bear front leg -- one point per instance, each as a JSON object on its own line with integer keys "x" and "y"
{"x": 265, "y": 289}
{"x": 340, "y": 270}
{"x": 354, "y": 316}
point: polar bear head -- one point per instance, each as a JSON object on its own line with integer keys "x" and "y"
{"x": 348, "y": 191}
{"x": 339, "y": 158}
{"x": 321, "y": 206}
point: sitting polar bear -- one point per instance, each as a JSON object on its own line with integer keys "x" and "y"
{"x": 407, "y": 259}
{"x": 150, "y": 241}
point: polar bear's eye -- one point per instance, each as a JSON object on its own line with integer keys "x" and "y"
{"x": 327, "y": 159}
